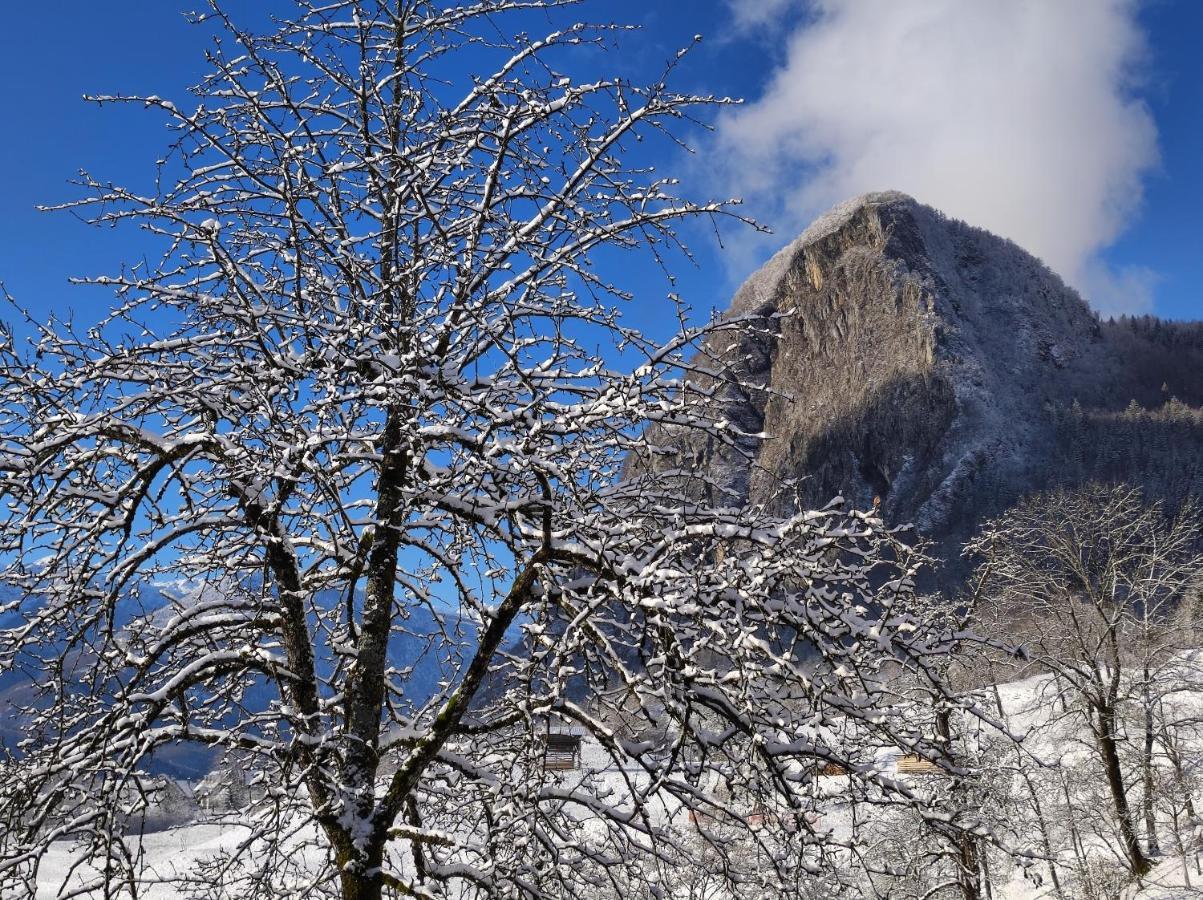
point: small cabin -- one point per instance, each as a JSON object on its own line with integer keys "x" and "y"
{"x": 562, "y": 751}
{"x": 914, "y": 764}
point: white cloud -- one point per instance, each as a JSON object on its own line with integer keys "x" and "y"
{"x": 1126, "y": 289}
{"x": 1015, "y": 115}
{"x": 756, "y": 13}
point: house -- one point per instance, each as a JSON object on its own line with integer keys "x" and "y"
{"x": 561, "y": 751}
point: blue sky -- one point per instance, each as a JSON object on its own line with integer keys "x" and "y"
{"x": 1168, "y": 235}
{"x": 1130, "y": 115}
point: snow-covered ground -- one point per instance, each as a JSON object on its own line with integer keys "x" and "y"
{"x": 1055, "y": 739}
{"x": 167, "y": 854}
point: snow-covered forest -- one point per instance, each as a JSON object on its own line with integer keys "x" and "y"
{"x": 362, "y": 550}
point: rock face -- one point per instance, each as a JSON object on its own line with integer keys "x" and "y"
{"x": 890, "y": 352}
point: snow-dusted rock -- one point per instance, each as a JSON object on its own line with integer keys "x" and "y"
{"x": 899, "y": 354}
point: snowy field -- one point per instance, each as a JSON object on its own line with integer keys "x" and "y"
{"x": 177, "y": 851}
{"x": 167, "y": 854}
{"x": 1031, "y": 706}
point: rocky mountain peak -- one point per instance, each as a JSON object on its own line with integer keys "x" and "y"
{"x": 891, "y": 352}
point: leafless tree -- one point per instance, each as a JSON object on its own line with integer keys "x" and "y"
{"x": 377, "y": 370}
{"x": 1083, "y": 579}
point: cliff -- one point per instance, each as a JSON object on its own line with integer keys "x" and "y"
{"x": 890, "y": 352}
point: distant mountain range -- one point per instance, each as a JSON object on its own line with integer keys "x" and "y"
{"x": 410, "y": 649}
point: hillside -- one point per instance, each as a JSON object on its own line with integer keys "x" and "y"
{"x": 892, "y": 352}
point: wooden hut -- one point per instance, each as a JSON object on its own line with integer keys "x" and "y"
{"x": 562, "y": 751}
{"x": 914, "y": 764}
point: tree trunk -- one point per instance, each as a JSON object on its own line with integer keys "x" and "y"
{"x": 1146, "y": 761}
{"x": 360, "y": 887}
{"x": 970, "y": 876}
{"x": 363, "y": 879}
{"x": 986, "y": 879}
{"x": 1137, "y": 861}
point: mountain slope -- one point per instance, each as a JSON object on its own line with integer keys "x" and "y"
{"x": 898, "y": 354}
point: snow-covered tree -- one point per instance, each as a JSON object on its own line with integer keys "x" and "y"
{"x": 376, "y": 389}
{"x": 1092, "y": 583}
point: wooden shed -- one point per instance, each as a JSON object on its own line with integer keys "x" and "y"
{"x": 913, "y": 764}
{"x": 562, "y": 751}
